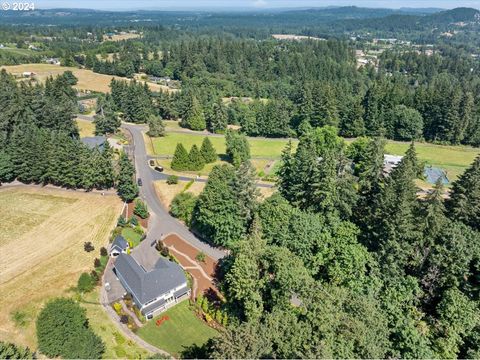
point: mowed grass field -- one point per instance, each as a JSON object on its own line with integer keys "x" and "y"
{"x": 87, "y": 79}
{"x": 259, "y": 148}
{"x": 42, "y": 233}
{"x": 453, "y": 159}
{"x": 182, "y": 330}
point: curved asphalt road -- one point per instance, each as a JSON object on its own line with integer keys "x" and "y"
{"x": 161, "y": 222}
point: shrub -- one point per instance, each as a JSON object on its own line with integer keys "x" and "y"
{"x": 63, "y": 331}
{"x": 97, "y": 263}
{"x": 218, "y": 316}
{"x": 199, "y": 301}
{"x": 182, "y": 206}
{"x": 205, "y": 306}
{"x": 19, "y": 318}
{"x": 122, "y": 221}
{"x": 200, "y": 257}
{"x": 225, "y": 320}
{"x": 138, "y": 229}
{"x": 208, "y": 318}
{"x": 172, "y": 180}
{"x": 88, "y": 246}
{"x": 165, "y": 252}
{"x": 159, "y": 245}
{"x": 85, "y": 283}
{"x": 12, "y": 351}
{"x": 94, "y": 276}
{"x": 140, "y": 209}
{"x": 117, "y": 307}
{"x": 103, "y": 251}
{"x": 124, "y": 319}
{"x": 188, "y": 186}
{"x": 133, "y": 221}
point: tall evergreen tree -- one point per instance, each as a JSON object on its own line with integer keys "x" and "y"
{"x": 464, "y": 203}
{"x": 194, "y": 118}
{"x": 208, "y": 151}
{"x": 126, "y": 186}
{"x": 196, "y": 161}
{"x": 180, "y": 159}
{"x": 156, "y": 127}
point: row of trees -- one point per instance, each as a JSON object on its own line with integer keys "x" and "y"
{"x": 194, "y": 160}
{"x": 39, "y": 138}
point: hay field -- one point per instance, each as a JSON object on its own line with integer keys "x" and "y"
{"x": 41, "y": 241}
{"x": 121, "y": 37}
{"x": 87, "y": 79}
{"x": 85, "y": 127}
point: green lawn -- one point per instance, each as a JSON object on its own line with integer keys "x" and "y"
{"x": 182, "y": 330}
{"x": 263, "y": 148}
{"x": 131, "y": 236}
{"x": 116, "y": 345}
{"x": 453, "y": 159}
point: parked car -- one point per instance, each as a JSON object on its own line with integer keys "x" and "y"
{"x": 158, "y": 168}
{"x": 151, "y": 162}
{"x": 139, "y": 182}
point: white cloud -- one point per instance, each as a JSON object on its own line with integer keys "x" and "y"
{"x": 259, "y": 3}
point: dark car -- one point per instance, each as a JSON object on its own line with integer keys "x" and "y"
{"x": 158, "y": 168}
{"x": 151, "y": 162}
{"x": 139, "y": 182}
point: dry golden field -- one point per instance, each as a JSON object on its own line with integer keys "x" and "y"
{"x": 42, "y": 233}
{"x": 85, "y": 127}
{"x": 87, "y": 79}
{"x": 120, "y": 37}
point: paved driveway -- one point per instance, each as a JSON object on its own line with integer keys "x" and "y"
{"x": 116, "y": 291}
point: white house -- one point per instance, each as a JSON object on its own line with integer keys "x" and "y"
{"x": 119, "y": 246}
{"x": 155, "y": 290}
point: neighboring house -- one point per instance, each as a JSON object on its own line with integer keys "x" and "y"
{"x": 28, "y": 74}
{"x": 390, "y": 162}
{"x": 53, "y": 61}
{"x": 155, "y": 290}
{"x": 119, "y": 246}
{"x": 94, "y": 141}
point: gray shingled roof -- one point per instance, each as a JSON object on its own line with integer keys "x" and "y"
{"x": 146, "y": 286}
{"x": 119, "y": 243}
{"x": 94, "y": 141}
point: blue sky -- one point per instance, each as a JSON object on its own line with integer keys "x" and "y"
{"x": 198, "y": 4}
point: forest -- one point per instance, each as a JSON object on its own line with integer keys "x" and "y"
{"x": 344, "y": 260}
{"x": 39, "y": 140}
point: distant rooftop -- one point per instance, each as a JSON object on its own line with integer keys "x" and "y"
{"x": 94, "y": 141}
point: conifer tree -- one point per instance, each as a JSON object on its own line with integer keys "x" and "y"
{"x": 156, "y": 127}
{"x": 196, "y": 161}
{"x": 218, "y": 120}
{"x": 180, "y": 159}
{"x": 397, "y": 217}
{"x": 194, "y": 117}
{"x": 208, "y": 151}
{"x": 126, "y": 186}
{"x": 464, "y": 203}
